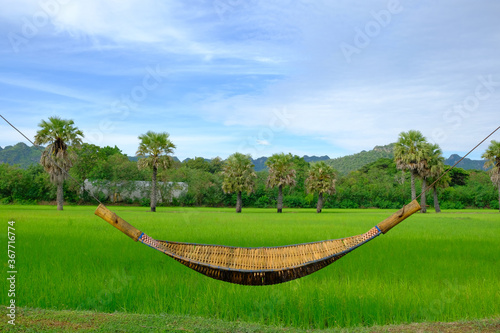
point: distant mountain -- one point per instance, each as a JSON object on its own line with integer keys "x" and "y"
{"x": 260, "y": 163}
{"x": 466, "y": 164}
{"x": 349, "y": 163}
{"x": 24, "y": 156}
{"x": 313, "y": 159}
{"x": 20, "y": 154}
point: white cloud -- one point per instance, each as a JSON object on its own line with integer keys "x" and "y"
{"x": 263, "y": 142}
{"x": 44, "y": 86}
{"x": 233, "y": 70}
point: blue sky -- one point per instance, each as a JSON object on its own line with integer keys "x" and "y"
{"x": 260, "y": 77}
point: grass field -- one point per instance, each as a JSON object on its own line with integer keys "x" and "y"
{"x": 433, "y": 267}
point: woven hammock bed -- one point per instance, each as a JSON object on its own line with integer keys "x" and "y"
{"x": 258, "y": 266}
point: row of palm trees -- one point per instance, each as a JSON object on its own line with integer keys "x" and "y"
{"x": 424, "y": 160}
{"x": 412, "y": 153}
{"x": 239, "y": 177}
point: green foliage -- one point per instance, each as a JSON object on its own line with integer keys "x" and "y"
{"x": 58, "y": 134}
{"x": 20, "y": 154}
{"x": 263, "y": 202}
{"x": 410, "y": 150}
{"x": 386, "y": 165}
{"x": 376, "y": 184}
{"x": 29, "y": 185}
{"x": 294, "y": 201}
{"x": 239, "y": 175}
{"x": 492, "y": 156}
{"x": 281, "y": 170}
{"x": 216, "y": 165}
{"x": 204, "y": 188}
{"x": 198, "y": 163}
{"x": 154, "y": 151}
{"x": 301, "y": 167}
{"x": 350, "y": 163}
{"x": 321, "y": 179}
{"x": 59, "y": 131}
{"x": 458, "y": 177}
{"x": 104, "y": 163}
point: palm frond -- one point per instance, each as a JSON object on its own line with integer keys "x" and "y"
{"x": 492, "y": 156}
{"x": 56, "y": 158}
{"x": 238, "y": 174}
{"x": 281, "y": 172}
{"x": 321, "y": 179}
{"x": 154, "y": 149}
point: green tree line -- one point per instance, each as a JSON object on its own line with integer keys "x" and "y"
{"x": 379, "y": 184}
{"x": 289, "y": 181}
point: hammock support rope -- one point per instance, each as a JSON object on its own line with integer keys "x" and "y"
{"x": 258, "y": 265}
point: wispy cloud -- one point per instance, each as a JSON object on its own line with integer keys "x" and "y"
{"x": 50, "y": 88}
{"x": 229, "y": 69}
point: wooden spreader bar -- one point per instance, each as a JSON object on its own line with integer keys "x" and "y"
{"x": 398, "y": 216}
{"x": 117, "y": 222}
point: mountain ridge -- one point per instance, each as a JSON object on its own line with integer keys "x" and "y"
{"x": 24, "y": 156}
{"x": 466, "y": 164}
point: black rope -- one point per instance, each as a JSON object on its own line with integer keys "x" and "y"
{"x": 454, "y": 165}
{"x": 82, "y": 185}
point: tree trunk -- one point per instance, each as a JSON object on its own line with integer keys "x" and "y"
{"x": 280, "y": 198}
{"x": 499, "y": 197}
{"x": 239, "y": 203}
{"x": 153, "y": 189}
{"x": 60, "y": 196}
{"x": 413, "y": 192}
{"x": 423, "y": 198}
{"x": 320, "y": 203}
{"x": 436, "y": 202}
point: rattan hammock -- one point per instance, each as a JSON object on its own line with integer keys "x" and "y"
{"x": 258, "y": 265}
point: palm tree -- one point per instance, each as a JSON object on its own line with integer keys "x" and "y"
{"x": 409, "y": 153}
{"x": 443, "y": 182}
{"x": 425, "y": 171}
{"x": 435, "y": 169}
{"x": 322, "y": 180}
{"x": 281, "y": 173}
{"x": 492, "y": 155}
{"x": 239, "y": 176}
{"x": 154, "y": 149}
{"x": 56, "y": 159}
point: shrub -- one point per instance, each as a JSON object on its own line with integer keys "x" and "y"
{"x": 263, "y": 202}
{"x": 187, "y": 199}
{"x": 452, "y": 205}
{"x": 346, "y": 203}
{"x": 145, "y": 202}
{"x": 494, "y": 204}
{"x": 294, "y": 202}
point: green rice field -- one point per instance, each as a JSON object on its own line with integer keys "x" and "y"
{"x": 432, "y": 267}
